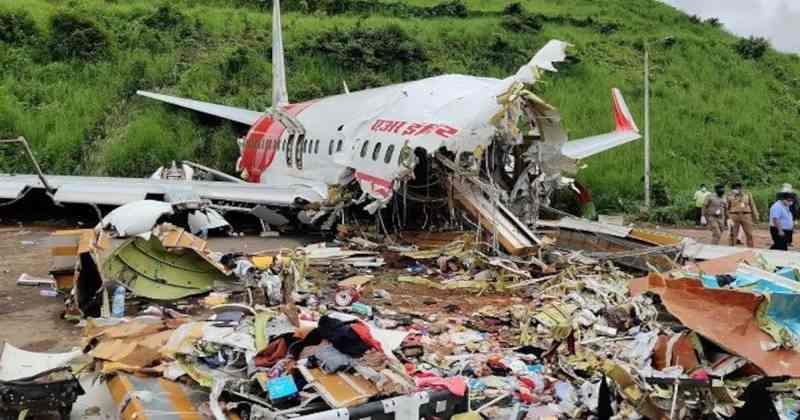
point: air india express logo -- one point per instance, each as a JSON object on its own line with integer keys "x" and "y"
{"x": 413, "y": 129}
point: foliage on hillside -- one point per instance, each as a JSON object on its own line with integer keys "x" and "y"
{"x": 724, "y": 109}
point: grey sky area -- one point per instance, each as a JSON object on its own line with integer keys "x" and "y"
{"x": 776, "y": 20}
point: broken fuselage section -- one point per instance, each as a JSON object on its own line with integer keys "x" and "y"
{"x": 408, "y": 142}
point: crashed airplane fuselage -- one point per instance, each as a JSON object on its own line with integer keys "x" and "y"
{"x": 498, "y": 131}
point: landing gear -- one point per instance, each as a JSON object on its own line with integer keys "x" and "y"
{"x": 266, "y": 231}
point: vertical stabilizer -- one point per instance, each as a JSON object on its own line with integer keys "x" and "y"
{"x": 280, "y": 95}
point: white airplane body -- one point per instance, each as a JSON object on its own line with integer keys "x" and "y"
{"x": 296, "y": 152}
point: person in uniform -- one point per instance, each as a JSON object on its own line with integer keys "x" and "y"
{"x": 715, "y": 212}
{"x": 743, "y": 213}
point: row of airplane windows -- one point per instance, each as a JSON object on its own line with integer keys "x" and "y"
{"x": 313, "y": 145}
{"x": 309, "y": 145}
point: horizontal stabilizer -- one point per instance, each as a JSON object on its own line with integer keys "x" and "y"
{"x": 626, "y": 131}
{"x": 240, "y": 115}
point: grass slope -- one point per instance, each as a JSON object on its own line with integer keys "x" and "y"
{"x": 68, "y": 87}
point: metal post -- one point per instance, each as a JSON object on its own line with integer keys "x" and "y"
{"x": 29, "y": 152}
{"x": 646, "y": 128}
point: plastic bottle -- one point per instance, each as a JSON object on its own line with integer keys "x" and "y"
{"x": 118, "y": 303}
{"x": 48, "y": 292}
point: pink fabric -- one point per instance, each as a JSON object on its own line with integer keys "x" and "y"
{"x": 455, "y": 385}
{"x": 701, "y": 375}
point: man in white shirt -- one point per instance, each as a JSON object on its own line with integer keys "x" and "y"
{"x": 781, "y": 224}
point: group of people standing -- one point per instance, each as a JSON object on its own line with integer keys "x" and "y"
{"x": 737, "y": 211}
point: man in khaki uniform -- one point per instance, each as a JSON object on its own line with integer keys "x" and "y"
{"x": 743, "y": 213}
{"x": 714, "y": 211}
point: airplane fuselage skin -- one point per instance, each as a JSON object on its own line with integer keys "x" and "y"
{"x": 363, "y": 130}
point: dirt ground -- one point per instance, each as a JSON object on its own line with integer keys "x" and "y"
{"x": 28, "y": 320}
{"x": 33, "y": 322}
{"x": 761, "y": 236}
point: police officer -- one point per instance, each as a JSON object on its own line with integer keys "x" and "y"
{"x": 715, "y": 212}
{"x": 743, "y": 213}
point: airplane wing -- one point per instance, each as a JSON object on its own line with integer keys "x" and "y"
{"x": 626, "y": 132}
{"x": 119, "y": 191}
{"x": 240, "y": 115}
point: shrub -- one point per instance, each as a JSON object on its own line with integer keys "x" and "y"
{"x": 235, "y": 62}
{"x": 449, "y": 8}
{"x": 608, "y": 27}
{"x": 500, "y": 52}
{"x": 714, "y": 22}
{"x": 752, "y": 48}
{"x": 17, "y": 27}
{"x": 452, "y": 8}
{"x": 76, "y": 37}
{"x": 373, "y": 48}
{"x": 513, "y": 9}
{"x": 165, "y": 17}
{"x": 521, "y": 23}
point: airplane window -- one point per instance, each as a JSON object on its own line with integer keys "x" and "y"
{"x": 376, "y": 152}
{"x": 389, "y": 152}
{"x": 307, "y": 145}
{"x": 316, "y": 147}
{"x": 330, "y": 148}
{"x": 298, "y": 157}
{"x": 339, "y": 146}
{"x": 289, "y": 143}
{"x": 364, "y": 148}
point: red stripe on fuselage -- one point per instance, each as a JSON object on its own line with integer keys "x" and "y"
{"x": 384, "y": 184}
{"x": 263, "y": 140}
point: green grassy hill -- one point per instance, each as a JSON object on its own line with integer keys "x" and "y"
{"x": 723, "y": 109}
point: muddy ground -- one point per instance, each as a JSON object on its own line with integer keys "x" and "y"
{"x": 761, "y": 236}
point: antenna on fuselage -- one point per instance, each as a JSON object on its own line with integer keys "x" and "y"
{"x": 280, "y": 95}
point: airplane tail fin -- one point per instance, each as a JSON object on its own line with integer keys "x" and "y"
{"x": 622, "y": 115}
{"x": 626, "y": 131}
{"x": 280, "y": 95}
